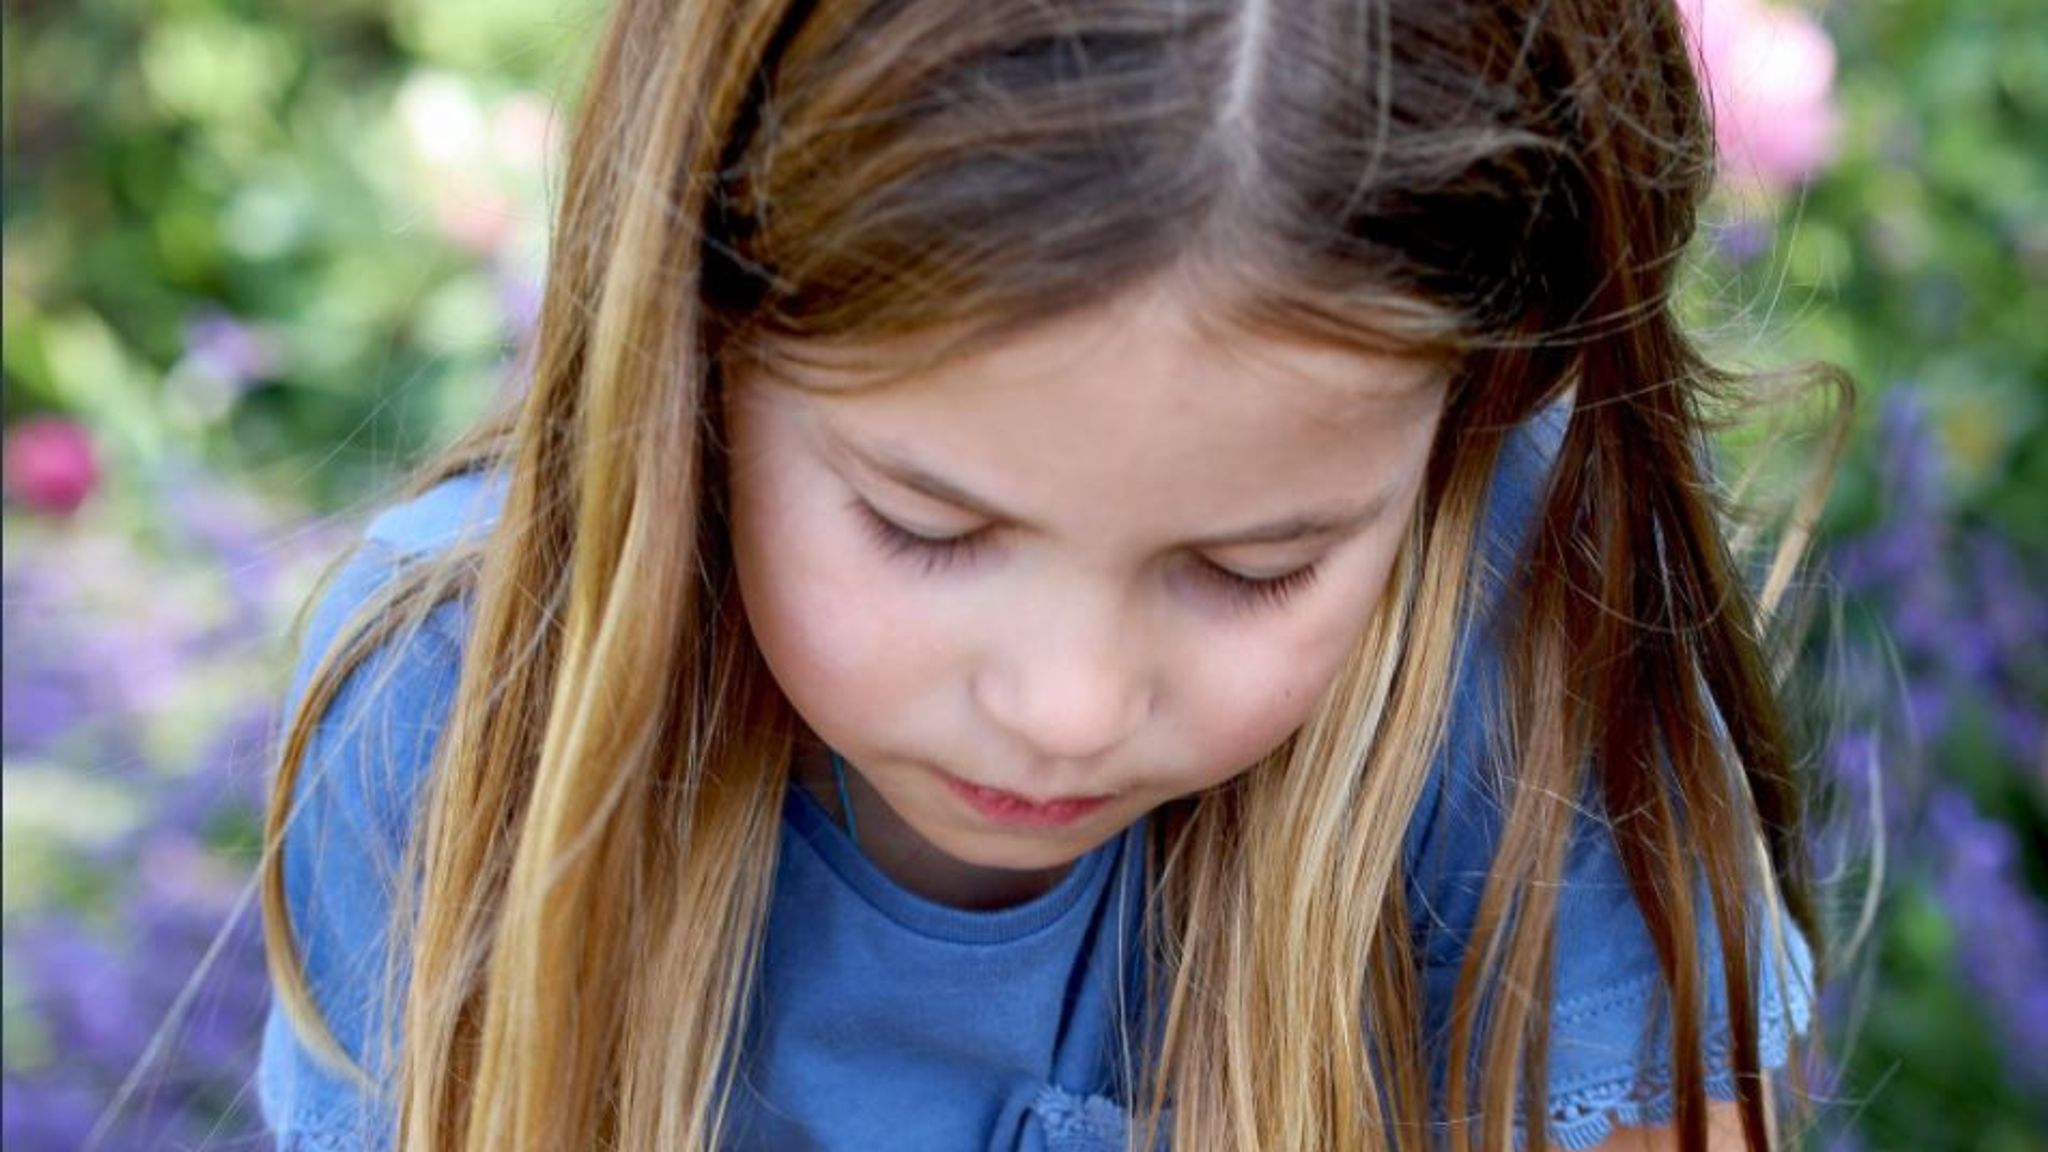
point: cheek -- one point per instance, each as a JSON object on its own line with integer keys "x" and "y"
{"x": 840, "y": 641}
{"x": 1245, "y": 700}
{"x": 1244, "y": 694}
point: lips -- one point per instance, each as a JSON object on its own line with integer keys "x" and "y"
{"x": 1010, "y": 808}
{"x": 1025, "y": 801}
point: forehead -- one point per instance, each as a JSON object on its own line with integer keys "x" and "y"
{"x": 1157, "y": 335}
{"x": 1140, "y": 406}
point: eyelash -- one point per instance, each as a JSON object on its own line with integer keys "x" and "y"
{"x": 935, "y": 554}
{"x": 1264, "y": 592}
{"x": 931, "y": 554}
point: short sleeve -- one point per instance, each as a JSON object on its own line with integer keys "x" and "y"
{"x": 1609, "y": 1062}
{"x": 1610, "y": 1044}
{"x": 1610, "y": 1039}
{"x": 353, "y": 802}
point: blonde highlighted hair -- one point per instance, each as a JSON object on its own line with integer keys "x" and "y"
{"x": 1503, "y": 187}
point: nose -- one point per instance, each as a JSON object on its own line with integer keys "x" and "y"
{"x": 1071, "y": 684}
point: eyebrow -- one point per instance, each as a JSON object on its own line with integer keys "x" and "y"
{"x": 1329, "y": 523}
{"x": 1337, "y": 521}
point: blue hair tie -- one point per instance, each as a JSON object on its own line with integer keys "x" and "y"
{"x": 845, "y": 798}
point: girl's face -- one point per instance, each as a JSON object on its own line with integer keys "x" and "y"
{"x": 1035, "y": 592}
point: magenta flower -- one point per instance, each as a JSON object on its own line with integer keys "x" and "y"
{"x": 1769, "y": 70}
{"x": 50, "y": 466}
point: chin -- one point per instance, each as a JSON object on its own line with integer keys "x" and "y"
{"x": 1033, "y": 850}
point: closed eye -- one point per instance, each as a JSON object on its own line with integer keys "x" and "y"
{"x": 932, "y": 554}
{"x": 1255, "y": 591}
{"x": 929, "y": 553}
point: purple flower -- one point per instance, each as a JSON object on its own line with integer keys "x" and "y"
{"x": 2001, "y": 931}
{"x": 151, "y": 1008}
{"x": 81, "y": 995}
{"x": 45, "y": 691}
{"x": 519, "y": 297}
{"x": 1910, "y": 457}
{"x": 45, "y": 1113}
{"x": 1862, "y": 768}
{"x": 1967, "y": 617}
{"x": 1964, "y": 613}
{"x": 228, "y": 351}
{"x": 1744, "y": 239}
{"x": 155, "y": 979}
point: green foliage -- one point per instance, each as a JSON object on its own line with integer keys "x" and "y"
{"x": 175, "y": 164}
{"x": 1920, "y": 259}
{"x": 1918, "y": 262}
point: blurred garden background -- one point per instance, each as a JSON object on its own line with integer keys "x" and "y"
{"x": 260, "y": 257}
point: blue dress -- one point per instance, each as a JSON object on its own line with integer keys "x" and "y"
{"x": 882, "y": 1020}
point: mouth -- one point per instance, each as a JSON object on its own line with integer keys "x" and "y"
{"x": 1009, "y": 808}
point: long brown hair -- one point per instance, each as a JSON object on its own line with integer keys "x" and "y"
{"x": 1505, "y": 186}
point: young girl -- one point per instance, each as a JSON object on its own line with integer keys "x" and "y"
{"x": 1072, "y": 576}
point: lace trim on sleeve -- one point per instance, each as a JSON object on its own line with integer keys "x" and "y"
{"x": 1636, "y": 1097}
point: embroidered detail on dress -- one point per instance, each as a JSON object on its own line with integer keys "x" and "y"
{"x": 1080, "y": 1123}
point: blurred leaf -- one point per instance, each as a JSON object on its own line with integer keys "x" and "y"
{"x": 90, "y": 374}
{"x": 524, "y": 38}
{"x": 51, "y": 813}
{"x": 219, "y": 71}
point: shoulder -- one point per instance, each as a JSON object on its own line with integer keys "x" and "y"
{"x": 374, "y": 736}
{"x": 411, "y": 532}
{"x": 459, "y": 509}
{"x": 352, "y": 802}
{"x": 415, "y": 531}
{"x": 403, "y": 681}
{"x": 1520, "y": 478}
{"x": 1609, "y": 1066}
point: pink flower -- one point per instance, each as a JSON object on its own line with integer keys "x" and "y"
{"x": 50, "y": 465}
{"x": 476, "y": 217}
{"x": 522, "y": 130}
{"x": 1770, "y": 73}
